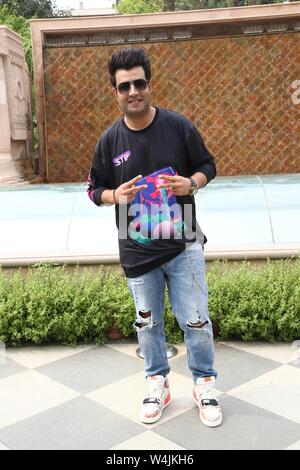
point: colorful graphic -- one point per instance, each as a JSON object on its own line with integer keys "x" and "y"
{"x": 157, "y": 213}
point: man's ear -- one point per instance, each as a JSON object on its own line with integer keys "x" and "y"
{"x": 149, "y": 85}
{"x": 115, "y": 92}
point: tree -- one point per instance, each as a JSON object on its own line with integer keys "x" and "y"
{"x": 169, "y": 5}
{"x": 140, "y": 6}
{"x": 200, "y": 4}
{"x": 150, "y": 6}
{"x": 20, "y": 25}
{"x": 33, "y": 8}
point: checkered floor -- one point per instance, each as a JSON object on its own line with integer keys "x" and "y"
{"x": 89, "y": 397}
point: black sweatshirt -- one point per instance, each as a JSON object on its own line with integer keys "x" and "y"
{"x": 157, "y": 223}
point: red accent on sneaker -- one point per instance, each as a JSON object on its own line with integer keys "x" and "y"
{"x": 210, "y": 414}
{"x": 159, "y": 388}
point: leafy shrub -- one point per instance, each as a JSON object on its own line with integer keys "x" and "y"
{"x": 52, "y": 304}
{"x": 256, "y": 302}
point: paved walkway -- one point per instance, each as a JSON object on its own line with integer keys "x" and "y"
{"x": 54, "y": 397}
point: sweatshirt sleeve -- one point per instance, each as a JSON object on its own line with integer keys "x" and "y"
{"x": 200, "y": 159}
{"x": 99, "y": 176}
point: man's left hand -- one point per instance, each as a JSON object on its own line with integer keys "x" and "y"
{"x": 179, "y": 184}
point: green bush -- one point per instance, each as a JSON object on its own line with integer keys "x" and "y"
{"x": 52, "y": 304}
{"x": 256, "y": 302}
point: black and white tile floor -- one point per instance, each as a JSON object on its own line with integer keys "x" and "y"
{"x": 89, "y": 397}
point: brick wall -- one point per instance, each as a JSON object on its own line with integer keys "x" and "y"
{"x": 238, "y": 92}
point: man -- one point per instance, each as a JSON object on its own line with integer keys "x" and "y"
{"x": 150, "y": 163}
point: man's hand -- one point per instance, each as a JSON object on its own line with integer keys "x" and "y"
{"x": 179, "y": 184}
{"x": 126, "y": 192}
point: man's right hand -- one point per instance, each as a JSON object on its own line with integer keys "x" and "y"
{"x": 126, "y": 192}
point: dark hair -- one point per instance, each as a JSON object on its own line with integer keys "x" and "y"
{"x": 127, "y": 58}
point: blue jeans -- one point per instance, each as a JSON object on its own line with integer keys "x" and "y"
{"x": 185, "y": 277}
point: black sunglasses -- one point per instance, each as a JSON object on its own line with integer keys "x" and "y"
{"x": 140, "y": 84}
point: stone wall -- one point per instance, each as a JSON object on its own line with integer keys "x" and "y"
{"x": 233, "y": 71}
{"x": 16, "y": 130}
{"x": 238, "y": 91}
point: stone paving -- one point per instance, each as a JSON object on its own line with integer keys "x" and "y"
{"x": 88, "y": 397}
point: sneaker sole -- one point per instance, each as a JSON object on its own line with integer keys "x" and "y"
{"x": 152, "y": 420}
{"x": 210, "y": 424}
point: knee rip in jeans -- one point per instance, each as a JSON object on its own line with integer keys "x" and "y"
{"x": 144, "y": 320}
{"x": 201, "y": 327}
{"x": 197, "y": 325}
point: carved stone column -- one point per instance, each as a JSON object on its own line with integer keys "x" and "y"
{"x": 16, "y": 130}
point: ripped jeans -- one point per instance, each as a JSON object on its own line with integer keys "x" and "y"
{"x": 185, "y": 277}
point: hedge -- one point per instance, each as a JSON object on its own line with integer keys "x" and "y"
{"x": 50, "y": 304}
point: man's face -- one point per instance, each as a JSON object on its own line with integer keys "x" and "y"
{"x": 136, "y": 102}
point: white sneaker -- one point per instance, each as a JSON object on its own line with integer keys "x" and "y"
{"x": 158, "y": 398}
{"x": 206, "y": 399}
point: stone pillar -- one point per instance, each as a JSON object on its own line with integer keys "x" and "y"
{"x": 16, "y": 130}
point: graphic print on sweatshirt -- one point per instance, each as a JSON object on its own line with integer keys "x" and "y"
{"x": 117, "y": 161}
{"x": 157, "y": 215}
